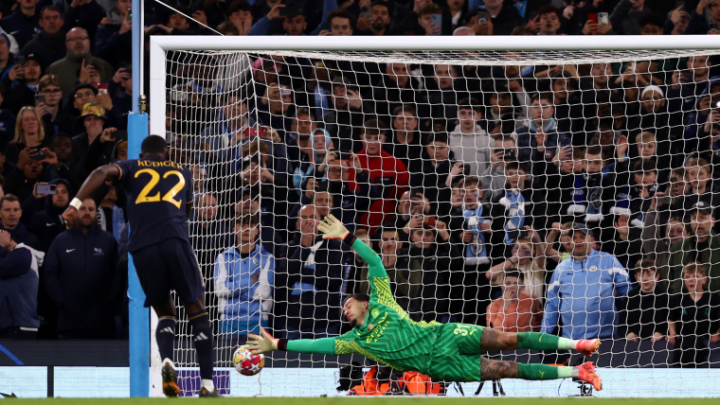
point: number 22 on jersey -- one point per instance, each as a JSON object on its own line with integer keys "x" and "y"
{"x": 145, "y": 197}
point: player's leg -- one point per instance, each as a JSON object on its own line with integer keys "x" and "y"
{"x": 188, "y": 283}
{"x": 154, "y": 278}
{"x": 492, "y": 340}
{"x": 498, "y": 369}
{"x": 165, "y": 336}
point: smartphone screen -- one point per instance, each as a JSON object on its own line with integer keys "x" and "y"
{"x": 39, "y": 98}
{"x": 103, "y": 89}
{"x": 593, "y": 17}
{"x": 603, "y": 18}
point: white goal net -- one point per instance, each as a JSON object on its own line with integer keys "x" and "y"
{"x": 480, "y": 178}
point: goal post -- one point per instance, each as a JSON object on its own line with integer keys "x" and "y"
{"x": 234, "y": 52}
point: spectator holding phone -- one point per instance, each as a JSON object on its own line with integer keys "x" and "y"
{"x": 538, "y": 138}
{"x": 29, "y": 137}
{"x": 493, "y": 179}
{"x": 48, "y": 104}
{"x": 626, "y": 17}
{"x": 698, "y": 24}
{"x": 24, "y": 86}
{"x": 77, "y": 42}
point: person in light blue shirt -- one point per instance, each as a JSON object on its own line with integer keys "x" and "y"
{"x": 244, "y": 279}
{"x": 583, "y": 290}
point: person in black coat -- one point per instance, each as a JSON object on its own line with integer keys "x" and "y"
{"x": 80, "y": 275}
{"x": 10, "y": 220}
{"x": 49, "y": 43}
{"x": 310, "y": 286}
{"x": 645, "y": 312}
{"x": 42, "y": 212}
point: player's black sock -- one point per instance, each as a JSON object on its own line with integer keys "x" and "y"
{"x": 165, "y": 335}
{"x": 203, "y": 338}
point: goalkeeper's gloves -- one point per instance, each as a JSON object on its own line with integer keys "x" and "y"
{"x": 333, "y": 228}
{"x": 265, "y": 343}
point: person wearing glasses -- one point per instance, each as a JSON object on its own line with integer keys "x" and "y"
{"x": 78, "y": 61}
{"x": 53, "y": 116}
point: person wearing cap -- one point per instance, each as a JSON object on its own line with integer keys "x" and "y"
{"x": 94, "y": 119}
{"x": 583, "y": 290}
{"x": 702, "y": 246}
{"x": 49, "y": 43}
{"x": 23, "y": 89}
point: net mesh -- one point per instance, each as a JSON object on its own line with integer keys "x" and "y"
{"x": 458, "y": 168}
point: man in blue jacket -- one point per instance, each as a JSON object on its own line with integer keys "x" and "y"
{"x": 80, "y": 277}
{"x": 18, "y": 289}
{"x": 244, "y": 279}
{"x": 583, "y": 290}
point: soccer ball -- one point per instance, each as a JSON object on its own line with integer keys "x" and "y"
{"x": 247, "y": 363}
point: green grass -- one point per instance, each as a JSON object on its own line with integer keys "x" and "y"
{"x": 375, "y": 401}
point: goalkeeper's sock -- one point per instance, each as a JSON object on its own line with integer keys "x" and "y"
{"x": 539, "y": 341}
{"x": 208, "y": 384}
{"x": 165, "y": 336}
{"x": 203, "y": 339}
{"x": 543, "y": 372}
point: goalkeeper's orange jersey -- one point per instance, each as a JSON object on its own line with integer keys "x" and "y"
{"x": 388, "y": 335}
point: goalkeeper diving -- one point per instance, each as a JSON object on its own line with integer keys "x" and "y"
{"x": 383, "y": 332}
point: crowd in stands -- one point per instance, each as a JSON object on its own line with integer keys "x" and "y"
{"x": 579, "y": 200}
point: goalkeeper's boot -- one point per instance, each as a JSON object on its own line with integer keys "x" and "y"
{"x": 204, "y": 392}
{"x": 588, "y": 347}
{"x": 170, "y": 385}
{"x": 587, "y": 373}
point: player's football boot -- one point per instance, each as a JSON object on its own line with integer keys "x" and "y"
{"x": 588, "y": 347}
{"x": 204, "y": 392}
{"x": 170, "y": 385}
{"x": 587, "y": 374}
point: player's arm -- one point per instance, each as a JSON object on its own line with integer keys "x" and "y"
{"x": 96, "y": 178}
{"x": 334, "y": 229}
{"x": 265, "y": 343}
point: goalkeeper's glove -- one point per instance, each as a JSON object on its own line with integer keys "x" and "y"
{"x": 333, "y": 228}
{"x": 264, "y": 343}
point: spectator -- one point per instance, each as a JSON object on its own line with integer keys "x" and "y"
{"x": 385, "y": 172}
{"x": 10, "y": 221}
{"x": 50, "y": 110}
{"x": 528, "y": 258}
{"x": 703, "y": 246}
{"x": 538, "y": 138}
{"x": 80, "y": 277}
{"x": 590, "y": 279}
{"x": 645, "y": 312}
{"x": 249, "y": 204}
{"x": 113, "y": 39}
{"x": 7, "y": 59}
{"x": 550, "y": 20}
{"x": 515, "y": 310}
{"x": 244, "y": 279}
{"x": 111, "y": 213}
{"x": 44, "y": 211}
{"x": 396, "y": 88}
{"x": 78, "y": 58}
{"x": 23, "y": 90}
{"x": 468, "y": 141}
{"x": 474, "y": 289}
{"x": 59, "y": 160}
{"x": 404, "y": 282}
{"x": 424, "y": 25}
{"x": 677, "y": 22}
{"x": 22, "y": 180}
{"x": 628, "y": 14}
{"x": 512, "y": 209}
{"x": 493, "y": 179}
{"x": 694, "y": 318}
{"x": 18, "y": 287}
{"x": 49, "y": 43}
{"x": 405, "y": 143}
{"x": 29, "y": 136}
{"x": 294, "y": 22}
{"x": 441, "y": 99}
{"x": 7, "y": 123}
{"x": 240, "y": 15}
{"x": 348, "y": 187}
{"x": 94, "y": 119}
{"x": 310, "y": 289}
{"x": 438, "y": 172}
{"x": 275, "y": 108}
{"x": 23, "y": 22}
{"x": 209, "y": 231}
{"x": 346, "y": 117}
{"x": 341, "y": 23}
{"x": 377, "y": 22}
{"x": 698, "y": 24}
{"x": 504, "y": 17}
{"x": 430, "y": 255}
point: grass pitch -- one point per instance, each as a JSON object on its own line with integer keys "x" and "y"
{"x": 374, "y": 400}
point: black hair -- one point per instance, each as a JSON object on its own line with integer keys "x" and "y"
{"x": 359, "y": 297}
{"x": 153, "y": 144}
{"x": 60, "y": 135}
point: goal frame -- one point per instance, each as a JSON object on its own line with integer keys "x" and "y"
{"x": 160, "y": 44}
